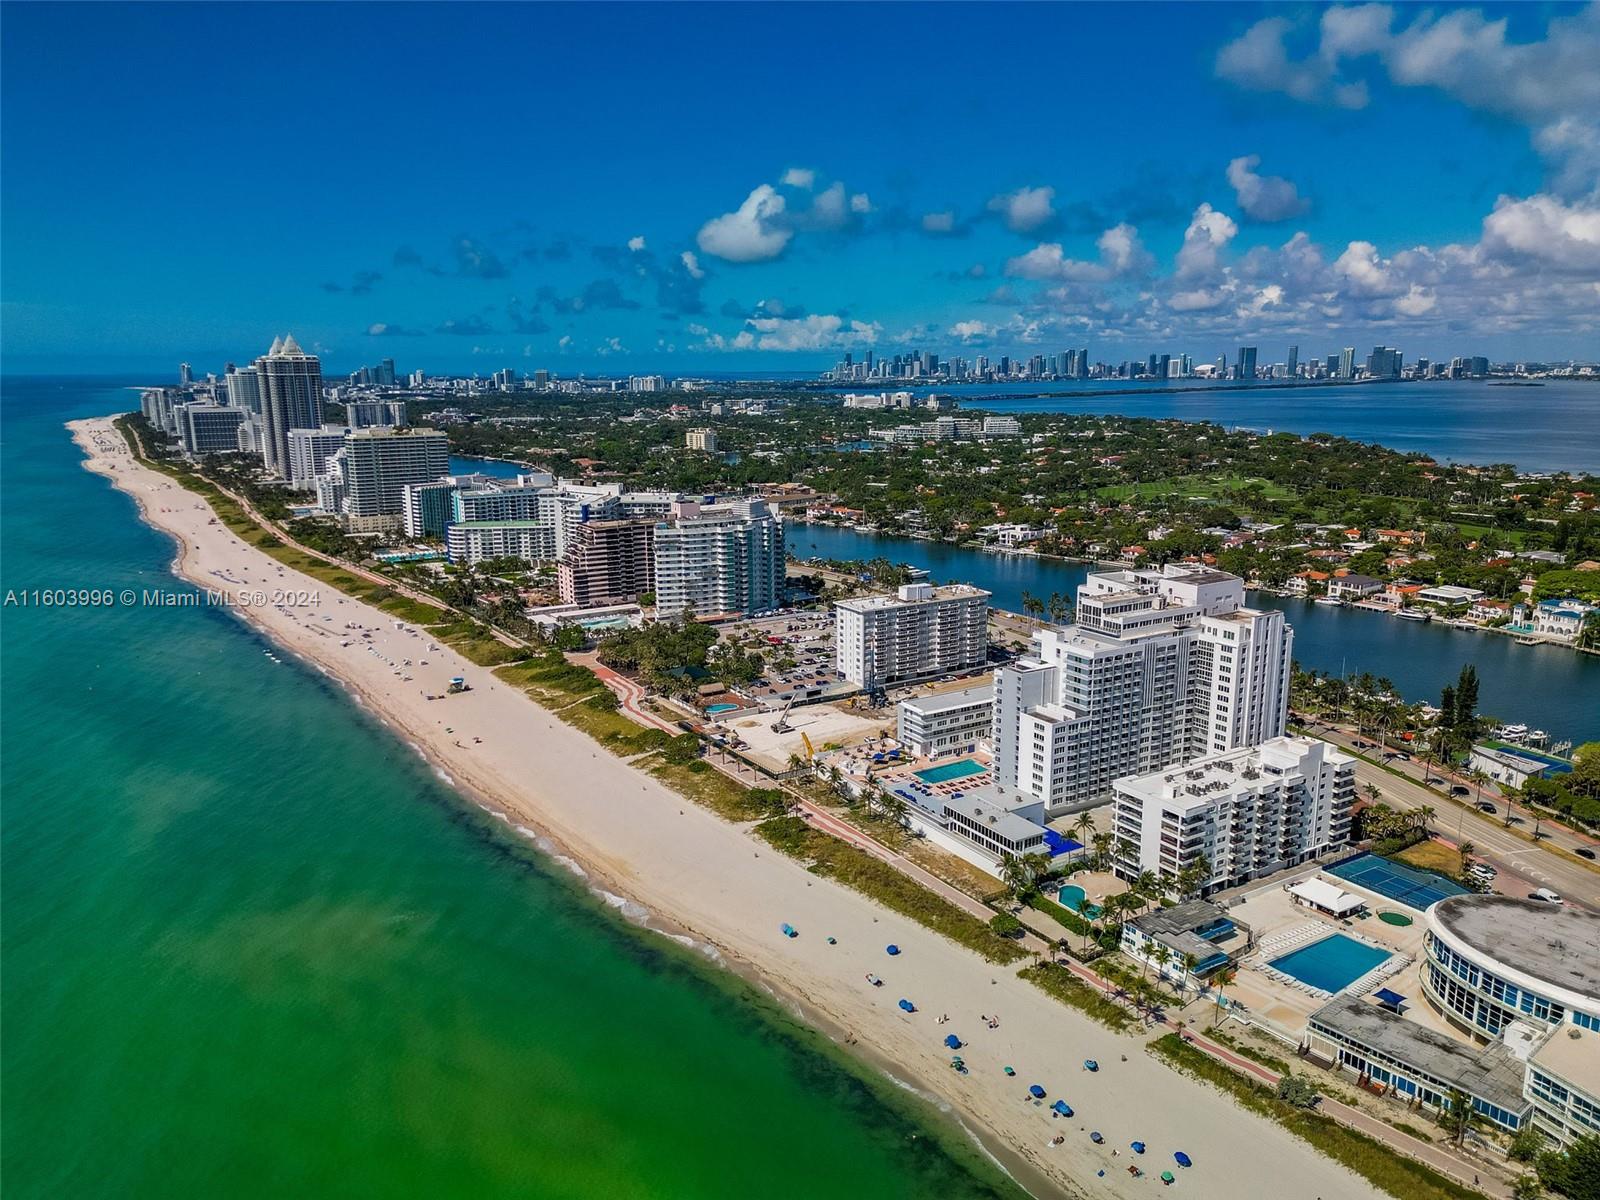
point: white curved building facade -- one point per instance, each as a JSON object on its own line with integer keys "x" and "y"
{"x": 1491, "y": 960}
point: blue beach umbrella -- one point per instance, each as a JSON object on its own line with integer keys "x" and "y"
{"x": 1138, "y": 1147}
{"x": 1062, "y": 1107}
{"x": 1037, "y": 1092}
{"x": 892, "y": 949}
{"x": 953, "y": 1042}
{"x": 1182, "y": 1159}
{"x": 908, "y": 1006}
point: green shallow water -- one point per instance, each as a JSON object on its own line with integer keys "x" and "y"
{"x": 253, "y": 947}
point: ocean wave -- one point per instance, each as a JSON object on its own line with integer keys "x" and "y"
{"x": 440, "y": 772}
{"x": 631, "y": 910}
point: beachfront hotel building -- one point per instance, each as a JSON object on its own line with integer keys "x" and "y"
{"x": 290, "y": 385}
{"x": 244, "y": 388}
{"x": 375, "y": 465}
{"x": 309, "y": 452}
{"x": 208, "y": 429}
{"x": 474, "y": 541}
{"x": 430, "y": 506}
{"x": 719, "y": 559}
{"x": 945, "y": 723}
{"x": 1522, "y": 978}
{"x": 1161, "y": 666}
{"x": 608, "y": 563}
{"x": 920, "y": 632}
{"x": 1491, "y": 960}
{"x": 1248, "y": 812}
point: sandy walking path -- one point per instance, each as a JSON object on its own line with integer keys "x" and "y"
{"x": 640, "y": 840}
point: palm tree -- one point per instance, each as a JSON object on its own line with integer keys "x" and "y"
{"x": 1083, "y": 827}
{"x": 1190, "y": 962}
{"x": 1222, "y": 979}
{"x": 1424, "y": 816}
{"x": 1162, "y": 955}
{"x": 1102, "y": 849}
{"x": 1014, "y": 873}
{"x": 1459, "y": 1118}
{"x": 1466, "y": 850}
{"x": 1372, "y": 793}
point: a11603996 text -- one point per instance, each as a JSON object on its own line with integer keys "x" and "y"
{"x": 81, "y": 597}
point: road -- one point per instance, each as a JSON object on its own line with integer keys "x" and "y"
{"x": 1508, "y": 850}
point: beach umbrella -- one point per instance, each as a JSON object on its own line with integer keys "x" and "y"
{"x": 1183, "y": 1159}
{"x": 1168, "y": 1177}
{"x": 1037, "y": 1092}
{"x": 1089, "y": 1064}
{"x": 892, "y": 949}
{"x": 1062, "y": 1107}
{"x": 1138, "y": 1147}
{"x": 953, "y": 1042}
{"x": 908, "y": 1006}
{"x": 1096, "y": 1137}
{"x": 1010, "y": 1071}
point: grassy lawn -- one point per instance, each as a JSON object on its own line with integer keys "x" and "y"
{"x": 1366, "y": 1156}
{"x": 1431, "y": 855}
{"x": 832, "y": 858}
{"x": 1066, "y": 987}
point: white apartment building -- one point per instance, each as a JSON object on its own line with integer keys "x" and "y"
{"x": 919, "y": 632}
{"x": 701, "y": 439}
{"x": 377, "y": 464}
{"x": 947, "y": 723}
{"x": 309, "y": 452}
{"x": 1161, "y": 667}
{"x": 473, "y": 541}
{"x": 1248, "y": 812}
{"x": 719, "y": 558}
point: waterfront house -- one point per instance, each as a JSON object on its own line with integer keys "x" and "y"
{"x": 1353, "y": 587}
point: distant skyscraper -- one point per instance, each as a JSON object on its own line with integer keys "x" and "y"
{"x": 1384, "y": 363}
{"x": 1294, "y": 361}
{"x": 185, "y": 374}
{"x": 291, "y": 398}
{"x": 1083, "y": 363}
{"x": 1247, "y": 362}
{"x": 1347, "y": 363}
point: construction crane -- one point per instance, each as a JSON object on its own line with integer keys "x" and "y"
{"x": 781, "y": 725}
{"x": 811, "y": 751}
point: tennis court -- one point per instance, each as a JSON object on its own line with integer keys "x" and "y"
{"x": 1413, "y": 888}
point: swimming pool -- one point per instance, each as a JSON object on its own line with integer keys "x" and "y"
{"x": 1072, "y": 896}
{"x": 1332, "y": 964}
{"x": 945, "y": 772}
{"x": 713, "y": 709}
{"x": 1414, "y": 888}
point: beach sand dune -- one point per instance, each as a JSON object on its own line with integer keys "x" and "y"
{"x": 640, "y": 840}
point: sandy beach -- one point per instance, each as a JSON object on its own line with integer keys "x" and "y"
{"x": 638, "y": 840}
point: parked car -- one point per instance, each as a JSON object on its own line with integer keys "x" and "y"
{"x": 1545, "y": 895}
{"x": 1460, "y": 790}
{"x": 1485, "y": 806}
{"x": 1585, "y": 852}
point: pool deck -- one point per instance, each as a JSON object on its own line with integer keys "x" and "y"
{"x": 1270, "y": 910}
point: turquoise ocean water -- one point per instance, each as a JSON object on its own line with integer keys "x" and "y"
{"x": 252, "y": 947}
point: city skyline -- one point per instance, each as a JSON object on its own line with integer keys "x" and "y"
{"x": 1353, "y": 175}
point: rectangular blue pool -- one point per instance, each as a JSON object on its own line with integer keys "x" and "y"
{"x": 945, "y": 772}
{"x": 1415, "y": 889}
{"x": 1332, "y": 964}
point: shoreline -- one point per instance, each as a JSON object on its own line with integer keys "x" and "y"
{"x": 693, "y": 872}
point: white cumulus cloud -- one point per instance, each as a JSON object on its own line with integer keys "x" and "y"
{"x": 636, "y": 244}
{"x": 800, "y": 177}
{"x": 692, "y": 265}
{"x": 1210, "y": 230}
{"x": 755, "y": 232}
{"x": 1025, "y": 209}
{"x": 1263, "y": 197}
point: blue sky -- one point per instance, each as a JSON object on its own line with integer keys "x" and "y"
{"x": 680, "y": 188}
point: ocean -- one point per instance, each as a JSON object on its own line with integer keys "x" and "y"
{"x": 253, "y": 946}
